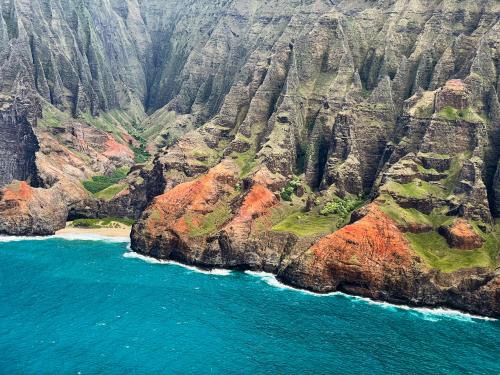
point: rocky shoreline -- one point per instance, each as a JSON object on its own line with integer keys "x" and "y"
{"x": 348, "y": 146}
{"x": 470, "y": 304}
{"x": 397, "y": 278}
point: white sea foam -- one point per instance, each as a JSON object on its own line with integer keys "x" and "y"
{"x": 132, "y": 255}
{"x": 431, "y": 314}
{"x": 91, "y": 237}
{"x": 426, "y": 312}
{"x": 22, "y": 238}
{"x": 271, "y": 280}
{"x": 66, "y": 236}
{"x": 215, "y": 271}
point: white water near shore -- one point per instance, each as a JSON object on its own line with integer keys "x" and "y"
{"x": 68, "y": 237}
{"x": 432, "y": 314}
{"x": 215, "y": 271}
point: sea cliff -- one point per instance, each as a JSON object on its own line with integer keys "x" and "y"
{"x": 348, "y": 146}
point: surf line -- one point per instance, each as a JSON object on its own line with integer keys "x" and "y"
{"x": 271, "y": 280}
{"x": 68, "y": 237}
{"x": 151, "y": 260}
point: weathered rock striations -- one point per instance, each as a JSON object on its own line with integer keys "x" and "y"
{"x": 400, "y": 114}
{"x": 24, "y": 210}
{"x": 270, "y": 123}
{"x": 18, "y": 143}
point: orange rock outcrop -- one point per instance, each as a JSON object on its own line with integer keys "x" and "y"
{"x": 461, "y": 235}
{"x": 361, "y": 255}
{"x": 255, "y": 205}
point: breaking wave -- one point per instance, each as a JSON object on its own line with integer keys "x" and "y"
{"x": 66, "y": 236}
{"x": 431, "y": 314}
{"x": 215, "y": 271}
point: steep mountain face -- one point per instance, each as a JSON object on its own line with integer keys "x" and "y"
{"x": 271, "y": 123}
{"x": 18, "y": 143}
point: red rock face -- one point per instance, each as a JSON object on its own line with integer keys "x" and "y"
{"x": 362, "y": 257}
{"x": 18, "y": 193}
{"x": 266, "y": 178}
{"x": 198, "y": 195}
{"x": 167, "y": 222}
{"x": 372, "y": 240}
{"x": 115, "y": 150}
{"x": 255, "y": 205}
{"x": 208, "y": 222}
{"x": 461, "y": 235}
{"x": 28, "y": 211}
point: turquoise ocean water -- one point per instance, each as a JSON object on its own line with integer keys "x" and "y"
{"x": 83, "y": 307}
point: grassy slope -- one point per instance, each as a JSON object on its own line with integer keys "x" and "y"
{"x": 100, "y": 183}
{"x": 454, "y": 114}
{"x": 307, "y": 224}
{"x": 436, "y": 253}
{"x": 111, "y": 191}
{"x": 433, "y": 248}
{"x": 416, "y": 189}
{"x": 210, "y": 222}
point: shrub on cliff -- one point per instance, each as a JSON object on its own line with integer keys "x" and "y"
{"x": 290, "y": 189}
{"x": 341, "y": 207}
{"x": 140, "y": 154}
{"x": 109, "y": 222}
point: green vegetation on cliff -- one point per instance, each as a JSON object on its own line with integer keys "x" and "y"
{"x": 51, "y": 116}
{"x": 112, "y": 121}
{"x": 322, "y": 219}
{"x": 433, "y": 247}
{"x": 246, "y": 162}
{"x": 203, "y": 225}
{"x": 436, "y": 253}
{"x": 454, "y": 114}
{"x": 410, "y": 217}
{"x": 141, "y": 156}
{"x": 290, "y": 189}
{"x": 111, "y": 191}
{"x": 341, "y": 207}
{"x": 307, "y": 224}
{"x": 100, "y": 183}
{"x": 416, "y": 189}
{"x": 109, "y": 222}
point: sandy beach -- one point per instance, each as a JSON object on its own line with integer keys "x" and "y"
{"x": 122, "y": 231}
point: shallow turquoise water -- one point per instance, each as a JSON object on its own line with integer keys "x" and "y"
{"x": 69, "y": 307}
